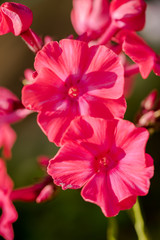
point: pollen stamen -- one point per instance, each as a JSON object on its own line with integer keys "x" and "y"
{"x": 73, "y": 92}
{"x": 104, "y": 161}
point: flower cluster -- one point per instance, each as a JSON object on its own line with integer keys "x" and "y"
{"x": 78, "y": 88}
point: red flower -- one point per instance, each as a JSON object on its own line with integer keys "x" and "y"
{"x": 15, "y": 18}
{"x": 9, "y": 214}
{"x": 74, "y": 80}
{"x": 107, "y": 158}
{"x": 101, "y": 19}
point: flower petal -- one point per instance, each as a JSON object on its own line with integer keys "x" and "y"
{"x": 104, "y": 70}
{"x": 129, "y": 138}
{"x": 66, "y": 58}
{"x": 7, "y": 139}
{"x": 54, "y": 124}
{"x": 136, "y": 48}
{"x": 71, "y": 167}
{"x": 44, "y": 95}
{"x": 95, "y": 135}
{"x": 98, "y": 190}
{"x": 9, "y": 214}
{"x": 156, "y": 67}
{"x": 102, "y": 108}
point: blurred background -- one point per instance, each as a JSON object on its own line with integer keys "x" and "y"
{"x": 68, "y": 216}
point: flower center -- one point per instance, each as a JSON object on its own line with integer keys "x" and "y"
{"x": 73, "y": 92}
{"x": 104, "y": 161}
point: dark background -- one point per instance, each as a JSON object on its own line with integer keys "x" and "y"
{"x": 68, "y": 216}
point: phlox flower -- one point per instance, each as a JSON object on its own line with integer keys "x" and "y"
{"x": 102, "y": 19}
{"x": 9, "y": 214}
{"x": 15, "y": 18}
{"x": 72, "y": 80}
{"x": 107, "y": 159}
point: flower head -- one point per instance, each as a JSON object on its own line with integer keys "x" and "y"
{"x": 73, "y": 80}
{"x": 100, "y": 20}
{"x": 15, "y": 18}
{"x": 107, "y": 158}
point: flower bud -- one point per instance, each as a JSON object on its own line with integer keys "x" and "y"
{"x": 149, "y": 102}
{"x": 90, "y": 16}
{"x": 15, "y": 18}
{"x": 147, "y": 119}
{"x": 128, "y": 14}
{"x": 46, "y": 193}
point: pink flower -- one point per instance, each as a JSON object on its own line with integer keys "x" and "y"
{"x": 9, "y": 214}
{"x": 137, "y": 49}
{"x": 101, "y": 19}
{"x": 90, "y": 16}
{"x": 74, "y": 80}
{"x": 15, "y": 18}
{"x": 107, "y": 158}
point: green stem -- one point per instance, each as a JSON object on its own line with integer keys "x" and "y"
{"x": 139, "y": 222}
{"x": 112, "y": 229}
